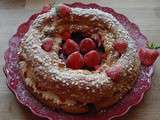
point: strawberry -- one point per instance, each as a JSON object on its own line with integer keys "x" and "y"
{"x": 47, "y": 44}
{"x": 148, "y": 56}
{"x": 75, "y": 60}
{"x": 86, "y": 45}
{"x": 120, "y": 45}
{"x": 114, "y": 72}
{"x": 70, "y": 46}
{"x": 63, "y": 10}
{"x": 65, "y": 35}
{"x": 92, "y": 58}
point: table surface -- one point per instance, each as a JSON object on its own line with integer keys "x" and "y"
{"x": 145, "y": 13}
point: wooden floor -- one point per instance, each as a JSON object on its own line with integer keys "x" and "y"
{"x": 145, "y": 13}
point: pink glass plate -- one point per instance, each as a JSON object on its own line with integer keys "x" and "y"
{"x": 14, "y": 80}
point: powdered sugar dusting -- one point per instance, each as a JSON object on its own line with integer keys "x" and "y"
{"x": 48, "y": 62}
{"x": 48, "y": 95}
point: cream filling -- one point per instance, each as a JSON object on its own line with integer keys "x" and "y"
{"x": 48, "y": 95}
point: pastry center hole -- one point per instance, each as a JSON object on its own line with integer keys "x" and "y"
{"x": 82, "y": 51}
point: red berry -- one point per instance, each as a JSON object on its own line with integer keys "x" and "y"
{"x": 75, "y": 60}
{"x": 63, "y": 10}
{"x": 114, "y": 72}
{"x": 148, "y": 56}
{"x": 92, "y": 58}
{"x": 120, "y": 45}
{"x": 65, "y": 35}
{"x": 86, "y": 45}
{"x": 47, "y": 44}
{"x": 70, "y": 46}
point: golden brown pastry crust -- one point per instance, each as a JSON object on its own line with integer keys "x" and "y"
{"x": 74, "y": 90}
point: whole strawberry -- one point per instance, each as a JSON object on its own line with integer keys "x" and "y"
{"x": 120, "y": 45}
{"x": 47, "y": 44}
{"x": 65, "y": 35}
{"x": 148, "y": 56}
{"x": 75, "y": 61}
{"x": 70, "y": 46}
{"x": 86, "y": 45}
{"x": 63, "y": 10}
{"x": 92, "y": 58}
{"x": 115, "y": 72}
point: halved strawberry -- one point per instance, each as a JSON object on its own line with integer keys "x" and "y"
{"x": 86, "y": 45}
{"x": 120, "y": 45}
{"x": 70, "y": 46}
{"x": 92, "y": 58}
{"x": 63, "y": 10}
{"x": 47, "y": 44}
{"x": 148, "y": 56}
{"x": 114, "y": 72}
{"x": 75, "y": 60}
